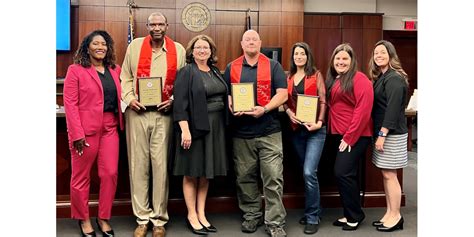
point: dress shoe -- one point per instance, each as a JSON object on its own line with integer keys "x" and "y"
{"x": 140, "y": 231}
{"x": 338, "y": 223}
{"x": 90, "y": 234}
{"x": 310, "y": 228}
{"x": 108, "y": 233}
{"x": 351, "y": 226}
{"x": 209, "y": 228}
{"x": 201, "y": 231}
{"x": 158, "y": 231}
{"x": 377, "y": 223}
{"x": 398, "y": 226}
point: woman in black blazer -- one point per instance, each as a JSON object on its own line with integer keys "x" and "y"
{"x": 199, "y": 108}
{"x": 391, "y": 133}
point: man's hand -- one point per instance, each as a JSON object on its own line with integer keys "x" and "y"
{"x": 165, "y": 106}
{"x": 135, "y": 105}
{"x": 256, "y": 112}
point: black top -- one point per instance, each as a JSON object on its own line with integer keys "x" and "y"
{"x": 190, "y": 99}
{"x": 390, "y": 93}
{"x": 247, "y": 126}
{"x": 110, "y": 91}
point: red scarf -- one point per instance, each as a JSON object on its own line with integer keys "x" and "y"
{"x": 310, "y": 88}
{"x": 263, "y": 77}
{"x": 144, "y": 64}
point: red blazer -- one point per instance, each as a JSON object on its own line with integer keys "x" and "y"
{"x": 84, "y": 100}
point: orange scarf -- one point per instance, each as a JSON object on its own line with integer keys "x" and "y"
{"x": 144, "y": 64}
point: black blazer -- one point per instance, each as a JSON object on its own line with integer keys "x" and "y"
{"x": 190, "y": 102}
{"x": 390, "y": 95}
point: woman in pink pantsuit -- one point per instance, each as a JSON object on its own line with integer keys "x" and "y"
{"x": 92, "y": 105}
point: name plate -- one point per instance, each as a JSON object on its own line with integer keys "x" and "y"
{"x": 307, "y": 108}
{"x": 149, "y": 91}
{"x": 243, "y": 97}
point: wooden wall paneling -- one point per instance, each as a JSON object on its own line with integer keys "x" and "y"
{"x": 270, "y": 5}
{"x": 211, "y": 4}
{"x": 370, "y": 36}
{"x": 270, "y": 36}
{"x": 158, "y": 4}
{"x": 116, "y": 3}
{"x": 119, "y": 32}
{"x": 293, "y": 6}
{"x": 355, "y": 38}
{"x": 183, "y": 35}
{"x": 86, "y": 27}
{"x": 242, "y": 5}
{"x": 269, "y": 18}
{"x": 289, "y": 36}
{"x": 91, "y": 2}
{"x": 351, "y": 21}
{"x": 372, "y": 21}
{"x": 236, "y": 18}
{"x": 91, "y": 13}
{"x": 142, "y": 14}
{"x": 228, "y": 38}
{"x": 116, "y": 14}
{"x": 292, "y": 18}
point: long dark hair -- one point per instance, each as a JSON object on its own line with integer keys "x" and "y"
{"x": 393, "y": 62}
{"x": 82, "y": 54}
{"x": 346, "y": 78}
{"x": 309, "y": 67}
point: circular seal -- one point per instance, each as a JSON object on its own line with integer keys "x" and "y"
{"x": 149, "y": 84}
{"x": 307, "y": 102}
{"x": 243, "y": 91}
{"x": 196, "y": 17}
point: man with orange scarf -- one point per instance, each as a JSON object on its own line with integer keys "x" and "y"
{"x": 257, "y": 137}
{"x": 148, "y": 129}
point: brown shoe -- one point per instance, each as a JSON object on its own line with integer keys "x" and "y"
{"x": 159, "y": 231}
{"x": 140, "y": 231}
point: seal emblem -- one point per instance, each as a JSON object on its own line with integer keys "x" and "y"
{"x": 196, "y": 17}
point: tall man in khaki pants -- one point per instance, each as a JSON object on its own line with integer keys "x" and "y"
{"x": 148, "y": 129}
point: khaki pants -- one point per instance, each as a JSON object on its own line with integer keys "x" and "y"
{"x": 264, "y": 152}
{"x": 147, "y": 136}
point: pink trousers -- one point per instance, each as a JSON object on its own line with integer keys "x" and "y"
{"x": 103, "y": 147}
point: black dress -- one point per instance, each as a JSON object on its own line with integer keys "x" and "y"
{"x": 207, "y": 156}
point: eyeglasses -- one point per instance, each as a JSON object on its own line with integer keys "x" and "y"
{"x": 199, "y": 48}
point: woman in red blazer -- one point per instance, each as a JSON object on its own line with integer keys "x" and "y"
{"x": 92, "y": 105}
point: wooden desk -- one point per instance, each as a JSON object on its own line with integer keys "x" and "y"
{"x": 410, "y": 114}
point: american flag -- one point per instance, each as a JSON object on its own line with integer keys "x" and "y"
{"x": 131, "y": 32}
{"x": 248, "y": 24}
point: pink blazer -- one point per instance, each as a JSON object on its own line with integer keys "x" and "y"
{"x": 84, "y": 100}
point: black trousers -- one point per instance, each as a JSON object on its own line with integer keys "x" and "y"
{"x": 346, "y": 168}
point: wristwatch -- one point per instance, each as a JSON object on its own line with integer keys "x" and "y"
{"x": 381, "y": 134}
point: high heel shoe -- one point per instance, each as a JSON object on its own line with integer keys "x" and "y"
{"x": 398, "y": 226}
{"x": 90, "y": 234}
{"x": 209, "y": 228}
{"x": 377, "y": 223}
{"x": 201, "y": 231}
{"x": 108, "y": 233}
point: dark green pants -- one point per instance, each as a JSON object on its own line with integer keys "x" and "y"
{"x": 265, "y": 153}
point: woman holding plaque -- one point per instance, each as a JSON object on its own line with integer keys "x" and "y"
{"x": 308, "y": 137}
{"x": 350, "y": 99}
{"x": 391, "y": 132}
{"x": 199, "y": 109}
{"x": 92, "y": 105}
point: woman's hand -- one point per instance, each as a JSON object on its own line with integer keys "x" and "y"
{"x": 379, "y": 144}
{"x": 313, "y": 126}
{"x": 343, "y": 146}
{"x": 292, "y": 116}
{"x": 79, "y": 145}
{"x": 186, "y": 139}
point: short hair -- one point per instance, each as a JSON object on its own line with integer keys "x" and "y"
{"x": 156, "y": 14}
{"x": 189, "y": 49}
{"x": 309, "y": 67}
{"x": 82, "y": 54}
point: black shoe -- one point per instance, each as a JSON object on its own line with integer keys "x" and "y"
{"x": 302, "y": 221}
{"x": 351, "y": 226}
{"x": 398, "y": 226}
{"x": 338, "y": 223}
{"x": 90, "y": 234}
{"x": 250, "y": 226}
{"x": 311, "y": 228}
{"x": 377, "y": 223}
{"x": 109, "y": 233}
{"x": 201, "y": 231}
{"x": 209, "y": 228}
